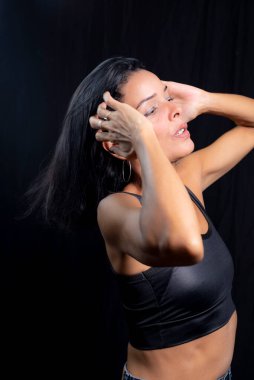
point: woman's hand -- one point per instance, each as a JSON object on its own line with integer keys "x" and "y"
{"x": 121, "y": 127}
{"x": 191, "y": 99}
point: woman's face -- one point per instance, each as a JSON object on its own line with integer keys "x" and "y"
{"x": 146, "y": 92}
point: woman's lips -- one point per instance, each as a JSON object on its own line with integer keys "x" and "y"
{"x": 185, "y": 133}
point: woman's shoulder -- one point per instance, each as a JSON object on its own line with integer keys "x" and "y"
{"x": 114, "y": 212}
{"x": 115, "y": 205}
{"x": 120, "y": 198}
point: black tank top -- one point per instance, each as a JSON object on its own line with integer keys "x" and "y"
{"x": 167, "y": 306}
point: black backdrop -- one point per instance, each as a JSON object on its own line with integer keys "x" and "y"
{"x": 59, "y": 304}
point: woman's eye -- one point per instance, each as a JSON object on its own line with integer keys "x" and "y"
{"x": 150, "y": 111}
{"x": 169, "y": 98}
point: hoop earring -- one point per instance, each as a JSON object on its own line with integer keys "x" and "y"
{"x": 123, "y": 173}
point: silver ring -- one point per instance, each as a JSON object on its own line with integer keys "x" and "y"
{"x": 99, "y": 123}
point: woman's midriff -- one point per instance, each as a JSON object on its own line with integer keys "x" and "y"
{"x": 207, "y": 357}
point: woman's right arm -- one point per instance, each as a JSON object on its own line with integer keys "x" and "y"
{"x": 165, "y": 230}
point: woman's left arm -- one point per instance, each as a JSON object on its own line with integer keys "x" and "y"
{"x": 238, "y": 108}
{"x": 229, "y": 149}
{"x": 215, "y": 160}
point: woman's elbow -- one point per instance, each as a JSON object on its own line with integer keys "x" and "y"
{"x": 174, "y": 252}
{"x": 184, "y": 252}
{"x": 195, "y": 250}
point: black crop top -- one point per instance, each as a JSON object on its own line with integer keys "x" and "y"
{"x": 167, "y": 306}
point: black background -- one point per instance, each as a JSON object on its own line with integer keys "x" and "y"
{"x": 59, "y": 304}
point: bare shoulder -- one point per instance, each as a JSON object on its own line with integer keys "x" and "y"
{"x": 118, "y": 218}
{"x": 111, "y": 213}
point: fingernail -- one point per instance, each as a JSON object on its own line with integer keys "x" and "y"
{"x": 106, "y": 96}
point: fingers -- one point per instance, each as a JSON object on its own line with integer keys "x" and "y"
{"x": 95, "y": 122}
{"x": 111, "y": 102}
{"x": 103, "y": 105}
{"x": 168, "y": 83}
{"x": 103, "y": 135}
{"x": 117, "y": 149}
{"x": 103, "y": 113}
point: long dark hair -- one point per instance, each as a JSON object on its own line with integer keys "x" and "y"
{"x": 81, "y": 172}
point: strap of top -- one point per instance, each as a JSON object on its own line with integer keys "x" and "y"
{"x": 192, "y": 195}
{"x": 139, "y": 197}
{"x": 195, "y": 200}
{"x": 203, "y": 210}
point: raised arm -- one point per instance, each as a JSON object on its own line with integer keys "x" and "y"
{"x": 165, "y": 230}
{"x": 229, "y": 149}
{"x": 238, "y": 108}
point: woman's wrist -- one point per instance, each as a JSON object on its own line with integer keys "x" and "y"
{"x": 150, "y": 153}
{"x": 206, "y": 101}
{"x": 142, "y": 135}
{"x": 238, "y": 108}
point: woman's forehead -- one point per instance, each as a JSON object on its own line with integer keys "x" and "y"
{"x": 140, "y": 84}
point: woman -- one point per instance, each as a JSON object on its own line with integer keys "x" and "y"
{"x": 174, "y": 271}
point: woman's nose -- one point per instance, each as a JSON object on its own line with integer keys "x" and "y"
{"x": 174, "y": 111}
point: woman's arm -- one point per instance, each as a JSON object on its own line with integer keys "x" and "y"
{"x": 229, "y": 149}
{"x": 195, "y": 101}
{"x": 165, "y": 230}
{"x": 238, "y": 108}
{"x": 223, "y": 154}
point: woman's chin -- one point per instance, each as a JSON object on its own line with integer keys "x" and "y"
{"x": 185, "y": 149}
{"x": 192, "y": 145}
{"x": 188, "y": 146}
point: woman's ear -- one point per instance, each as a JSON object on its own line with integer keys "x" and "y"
{"x": 107, "y": 145}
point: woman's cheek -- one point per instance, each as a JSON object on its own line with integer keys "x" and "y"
{"x": 160, "y": 124}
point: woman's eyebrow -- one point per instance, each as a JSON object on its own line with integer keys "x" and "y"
{"x": 149, "y": 97}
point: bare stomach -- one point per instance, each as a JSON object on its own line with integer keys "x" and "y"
{"x": 206, "y": 358}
